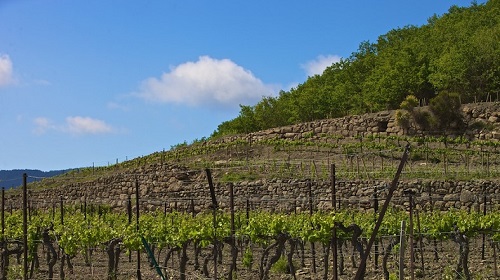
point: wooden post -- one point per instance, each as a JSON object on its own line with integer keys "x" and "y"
{"x": 85, "y": 208}
{"x": 137, "y": 228}
{"x": 313, "y": 249}
{"x": 3, "y": 213}
{"x": 214, "y": 206}
{"x": 29, "y": 209}
{"x": 495, "y": 257}
{"x": 248, "y": 211}
{"x": 339, "y": 201}
{"x": 25, "y": 226}
{"x": 362, "y": 267}
{"x": 412, "y": 248}
{"x": 192, "y": 208}
{"x": 334, "y": 230}
{"x": 233, "y": 232}
{"x": 484, "y": 214}
{"x": 421, "y": 243}
{"x": 63, "y": 255}
{"x": 402, "y": 240}
{"x": 129, "y": 214}
{"x": 61, "y": 209}
{"x": 375, "y": 211}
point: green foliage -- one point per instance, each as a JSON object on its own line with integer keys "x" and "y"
{"x": 446, "y": 109}
{"x": 481, "y": 125}
{"x": 281, "y": 266}
{"x": 403, "y": 118}
{"x": 409, "y": 103}
{"x": 248, "y": 258}
{"x": 179, "y": 146}
{"x": 173, "y": 230}
{"x": 424, "y": 119}
{"x": 409, "y": 113}
{"x": 456, "y": 52}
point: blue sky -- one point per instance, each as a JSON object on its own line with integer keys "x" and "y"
{"x": 91, "y": 82}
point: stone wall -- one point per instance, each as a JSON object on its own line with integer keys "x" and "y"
{"x": 171, "y": 187}
{"x": 381, "y": 123}
{"x": 164, "y": 185}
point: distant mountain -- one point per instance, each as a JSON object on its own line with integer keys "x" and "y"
{"x": 14, "y": 178}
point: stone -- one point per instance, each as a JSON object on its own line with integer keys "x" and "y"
{"x": 451, "y": 197}
{"x": 467, "y": 196}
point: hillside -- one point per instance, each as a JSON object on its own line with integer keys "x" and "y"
{"x": 365, "y": 146}
{"x": 346, "y": 116}
{"x": 456, "y": 53}
{"x": 453, "y": 58}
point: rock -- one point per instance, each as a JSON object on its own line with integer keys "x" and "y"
{"x": 451, "y": 197}
{"x": 467, "y": 196}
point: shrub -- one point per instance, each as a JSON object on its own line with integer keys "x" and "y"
{"x": 403, "y": 119}
{"x": 424, "y": 119}
{"x": 446, "y": 109}
{"x": 409, "y": 103}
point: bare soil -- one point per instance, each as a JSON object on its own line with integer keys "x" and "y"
{"x": 431, "y": 268}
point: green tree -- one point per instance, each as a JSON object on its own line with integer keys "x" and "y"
{"x": 457, "y": 52}
{"x": 466, "y": 53}
{"x": 446, "y": 109}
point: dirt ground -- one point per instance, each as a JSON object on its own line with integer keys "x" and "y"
{"x": 441, "y": 268}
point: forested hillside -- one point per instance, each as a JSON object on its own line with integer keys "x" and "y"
{"x": 457, "y": 53}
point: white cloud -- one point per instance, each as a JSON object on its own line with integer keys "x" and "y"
{"x": 86, "y": 125}
{"x": 318, "y": 65}
{"x": 73, "y": 125}
{"x": 207, "y": 81}
{"x": 42, "y": 125}
{"x": 6, "y": 76}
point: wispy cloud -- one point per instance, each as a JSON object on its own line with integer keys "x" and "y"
{"x": 208, "y": 81}
{"x": 117, "y": 106}
{"x": 42, "y": 82}
{"x": 73, "y": 125}
{"x": 86, "y": 125}
{"x": 318, "y": 65}
{"x": 42, "y": 125}
{"x": 6, "y": 72}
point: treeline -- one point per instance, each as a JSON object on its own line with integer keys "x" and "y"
{"x": 458, "y": 52}
{"x": 14, "y": 178}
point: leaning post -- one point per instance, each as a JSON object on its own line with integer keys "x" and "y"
{"x": 360, "y": 273}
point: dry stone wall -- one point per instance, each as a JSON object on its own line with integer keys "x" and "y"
{"x": 168, "y": 186}
{"x": 171, "y": 187}
{"x": 381, "y": 123}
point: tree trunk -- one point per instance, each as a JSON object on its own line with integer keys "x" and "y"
{"x": 112, "y": 249}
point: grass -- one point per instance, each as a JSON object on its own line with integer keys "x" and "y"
{"x": 372, "y": 158}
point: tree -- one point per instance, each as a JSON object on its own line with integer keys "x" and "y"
{"x": 457, "y": 52}
{"x": 410, "y": 115}
{"x": 446, "y": 109}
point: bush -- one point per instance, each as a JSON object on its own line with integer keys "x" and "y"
{"x": 424, "y": 119}
{"x": 403, "y": 119}
{"x": 281, "y": 266}
{"x": 409, "y": 103}
{"x": 446, "y": 109}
